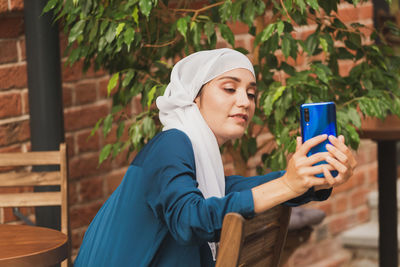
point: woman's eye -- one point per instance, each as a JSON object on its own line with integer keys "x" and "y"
{"x": 230, "y": 90}
{"x": 251, "y": 96}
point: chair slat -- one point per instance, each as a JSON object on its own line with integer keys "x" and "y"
{"x": 30, "y": 158}
{"x": 257, "y": 246}
{"x": 30, "y": 199}
{"x": 262, "y": 220}
{"x": 29, "y": 178}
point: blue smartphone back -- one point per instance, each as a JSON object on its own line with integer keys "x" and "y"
{"x": 317, "y": 119}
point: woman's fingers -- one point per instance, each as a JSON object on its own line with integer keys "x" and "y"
{"x": 298, "y": 143}
{"x": 315, "y": 158}
{"x": 310, "y": 143}
{"x": 339, "y": 144}
{"x": 328, "y": 176}
{"x": 337, "y": 165}
{"x": 337, "y": 153}
{"x": 314, "y": 170}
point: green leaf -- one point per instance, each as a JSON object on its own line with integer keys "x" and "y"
{"x": 225, "y": 10}
{"x": 265, "y": 34}
{"x": 311, "y": 43}
{"x": 145, "y": 7}
{"x": 286, "y": 46}
{"x": 120, "y": 129}
{"x": 107, "y": 125}
{"x": 280, "y": 26}
{"x": 257, "y": 120}
{"x": 119, "y": 28}
{"x": 129, "y": 36}
{"x": 227, "y": 34}
{"x": 354, "y": 117}
{"x": 182, "y": 26}
{"x": 150, "y": 95}
{"x": 50, "y": 5}
{"x": 302, "y": 5}
{"x": 313, "y": 4}
{"x": 105, "y": 152}
{"x": 324, "y": 44}
{"x": 76, "y": 30}
{"x": 209, "y": 29}
{"x": 93, "y": 31}
{"x": 96, "y": 127}
{"x": 135, "y": 15}
{"x": 128, "y": 77}
{"x": 111, "y": 32}
{"x": 112, "y": 83}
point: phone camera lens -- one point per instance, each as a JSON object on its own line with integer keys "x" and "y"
{"x": 306, "y": 115}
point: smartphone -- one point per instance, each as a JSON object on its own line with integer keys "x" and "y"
{"x": 317, "y": 119}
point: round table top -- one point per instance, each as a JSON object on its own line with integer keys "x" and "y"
{"x": 22, "y": 245}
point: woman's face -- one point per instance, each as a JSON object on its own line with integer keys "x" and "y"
{"x": 227, "y": 103}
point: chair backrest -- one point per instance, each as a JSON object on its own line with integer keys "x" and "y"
{"x": 258, "y": 241}
{"x": 29, "y": 178}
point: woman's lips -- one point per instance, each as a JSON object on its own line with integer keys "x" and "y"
{"x": 240, "y": 117}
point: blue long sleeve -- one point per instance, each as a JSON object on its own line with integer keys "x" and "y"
{"x": 176, "y": 200}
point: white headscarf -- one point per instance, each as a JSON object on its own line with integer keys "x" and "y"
{"x": 178, "y": 110}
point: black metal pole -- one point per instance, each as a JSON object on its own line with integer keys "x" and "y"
{"x": 45, "y": 94}
{"x": 387, "y": 172}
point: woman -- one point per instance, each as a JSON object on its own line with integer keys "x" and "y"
{"x": 169, "y": 208}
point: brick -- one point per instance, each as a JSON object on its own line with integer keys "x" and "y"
{"x": 341, "y": 204}
{"x": 10, "y": 104}
{"x": 238, "y": 27}
{"x": 13, "y": 77}
{"x": 14, "y": 132}
{"x": 87, "y": 165}
{"x": 72, "y": 193}
{"x": 86, "y": 143}
{"x": 8, "y": 51}
{"x": 373, "y": 174}
{"x": 363, "y": 215}
{"x": 345, "y": 66}
{"x": 76, "y": 239}
{"x": 365, "y": 11}
{"x": 91, "y": 189}
{"x": 25, "y": 101}
{"x": 16, "y": 5}
{"x": 359, "y": 197}
{"x": 70, "y": 141}
{"x": 113, "y": 180}
{"x": 84, "y": 117}
{"x": 347, "y": 186}
{"x": 347, "y": 13}
{"x": 22, "y": 48}
{"x": 72, "y": 73}
{"x": 338, "y": 224}
{"x": 3, "y": 6}
{"x": 11, "y": 27}
{"x": 85, "y": 92}
{"x": 67, "y": 95}
{"x": 83, "y": 215}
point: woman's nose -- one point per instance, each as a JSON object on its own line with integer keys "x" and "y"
{"x": 242, "y": 100}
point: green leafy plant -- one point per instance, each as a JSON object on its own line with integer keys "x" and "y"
{"x": 138, "y": 41}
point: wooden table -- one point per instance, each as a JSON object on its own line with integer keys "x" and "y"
{"x": 22, "y": 245}
{"x": 386, "y": 133}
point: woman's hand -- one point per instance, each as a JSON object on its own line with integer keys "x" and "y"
{"x": 341, "y": 159}
{"x": 300, "y": 173}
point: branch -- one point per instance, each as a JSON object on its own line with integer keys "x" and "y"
{"x": 163, "y": 44}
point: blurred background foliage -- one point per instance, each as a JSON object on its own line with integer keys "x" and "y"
{"x": 138, "y": 41}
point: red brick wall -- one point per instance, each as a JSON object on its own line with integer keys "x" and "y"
{"x": 85, "y": 102}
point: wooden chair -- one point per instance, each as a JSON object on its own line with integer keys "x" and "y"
{"x": 258, "y": 241}
{"x": 29, "y": 178}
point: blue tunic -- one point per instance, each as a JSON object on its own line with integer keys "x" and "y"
{"x": 158, "y": 217}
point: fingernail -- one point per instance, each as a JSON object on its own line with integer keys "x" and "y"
{"x": 329, "y": 146}
{"x": 332, "y": 137}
